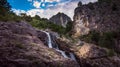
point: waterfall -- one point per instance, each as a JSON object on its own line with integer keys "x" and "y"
{"x": 63, "y": 53}
{"x": 49, "y": 40}
{"x": 72, "y": 56}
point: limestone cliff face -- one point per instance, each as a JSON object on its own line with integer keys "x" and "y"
{"x": 99, "y": 16}
{"x": 60, "y": 19}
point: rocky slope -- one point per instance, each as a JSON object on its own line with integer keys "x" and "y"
{"x": 90, "y": 55}
{"x": 99, "y": 16}
{"x": 20, "y": 46}
{"x": 60, "y": 19}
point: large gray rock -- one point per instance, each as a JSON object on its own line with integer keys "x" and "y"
{"x": 60, "y": 19}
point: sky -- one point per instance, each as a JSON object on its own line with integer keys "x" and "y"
{"x": 45, "y": 8}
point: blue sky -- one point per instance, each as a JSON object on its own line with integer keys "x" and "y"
{"x": 45, "y": 8}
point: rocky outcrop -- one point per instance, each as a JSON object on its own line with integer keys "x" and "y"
{"x": 91, "y": 51}
{"x": 60, "y": 19}
{"x": 94, "y": 56}
{"x": 90, "y": 55}
{"x": 99, "y": 16}
{"x": 21, "y": 47}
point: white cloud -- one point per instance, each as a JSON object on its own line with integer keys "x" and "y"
{"x": 52, "y": 0}
{"x": 36, "y": 4}
{"x": 66, "y": 7}
{"x": 30, "y": 0}
{"x": 34, "y": 12}
{"x": 87, "y": 1}
{"x": 18, "y": 11}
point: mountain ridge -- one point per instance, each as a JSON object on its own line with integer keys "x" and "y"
{"x": 60, "y": 19}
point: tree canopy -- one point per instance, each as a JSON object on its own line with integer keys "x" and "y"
{"x": 4, "y": 7}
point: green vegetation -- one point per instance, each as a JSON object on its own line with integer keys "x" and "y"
{"x": 69, "y": 26}
{"x": 43, "y": 23}
{"x": 4, "y": 7}
{"x": 80, "y": 3}
{"x": 105, "y": 39}
{"x": 5, "y": 12}
{"x": 111, "y": 52}
{"x": 107, "y": 1}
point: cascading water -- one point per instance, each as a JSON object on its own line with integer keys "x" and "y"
{"x": 49, "y": 40}
{"x": 71, "y": 55}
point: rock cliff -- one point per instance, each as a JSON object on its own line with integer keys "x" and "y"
{"x": 99, "y": 16}
{"x": 60, "y": 19}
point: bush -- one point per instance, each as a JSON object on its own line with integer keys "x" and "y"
{"x": 102, "y": 39}
{"x": 10, "y": 17}
{"x": 111, "y": 52}
{"x": 92, "y": 37}
{"x": 43, "y": 23}
{"x": 107, "y": 1}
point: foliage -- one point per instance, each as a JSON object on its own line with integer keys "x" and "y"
{"x": 114, "y": 7}
{"x": 4, "y": 7}
{"x": 80, "y": 3}
{"x": 43, "y": 23}
{"x": 105, "y": 39}
{"x": 5, "y": 12}
{"x": 92, "y": 37}
{"x": 10, "y": 17}
{"x": 69, "y": 26}
{"x": 107, "y": 1}
{"x": 111, "y": 52}
{"x": 25, "y": 17}
{"x": 91, "y": 6}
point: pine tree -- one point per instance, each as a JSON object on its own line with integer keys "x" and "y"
{"x": 4, "y": 7}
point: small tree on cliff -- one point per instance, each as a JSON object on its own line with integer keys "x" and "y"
{"x": 4, "y": 7}
{"x": 80, "y": 3}
{"x": 107, "y": 1}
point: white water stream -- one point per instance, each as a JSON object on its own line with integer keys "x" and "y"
{"x": 63, "y": 53}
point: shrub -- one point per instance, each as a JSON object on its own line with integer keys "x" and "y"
{"x": 102, "y": 39}
{"x": 107, "y": 1}
{"x": 111, "y": 52}
{"x": 43, "y": 23}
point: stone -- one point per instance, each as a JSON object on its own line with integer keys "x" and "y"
{"x": 20, "y": 46}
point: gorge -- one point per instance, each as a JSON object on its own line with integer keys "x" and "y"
{"x": 92, "y": 39}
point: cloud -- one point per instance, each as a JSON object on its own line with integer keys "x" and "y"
{"x": 52, "y": 0}
{"x": 30, "y": 0}
{"x": 66, "y": 7}
{"x": 36, "y": 4}
{"x": 18, "y": 11}
{"x": 34, "y": 12}
{"x": 87, "y": 1}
